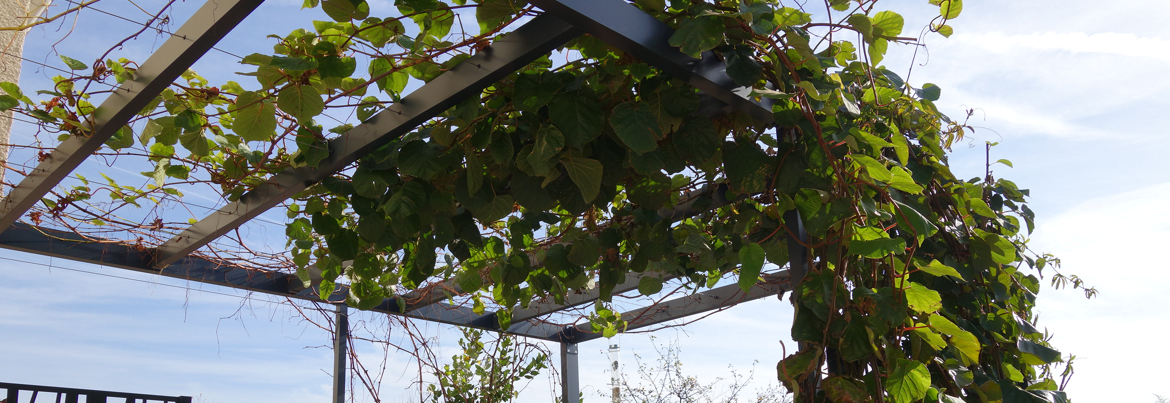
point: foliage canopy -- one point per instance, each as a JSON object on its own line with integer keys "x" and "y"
{"x": 568, "y": 175}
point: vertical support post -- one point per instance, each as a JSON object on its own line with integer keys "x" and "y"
{"x": 570, "y": 381}
{"x": 13, "y": 394}
{"x": 339, "y": 351}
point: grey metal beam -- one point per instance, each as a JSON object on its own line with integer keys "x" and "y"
{"x": 536, "y": 38}
{"x": 71, "y": 246}
{"x": 717, "y": 298}
{"x": 341, "y": 336}
{"x": 202, "y": 31}
{"x": 570, "y": 374}
{"x": 797, "y": 251}
{"x": 624, "y": 26}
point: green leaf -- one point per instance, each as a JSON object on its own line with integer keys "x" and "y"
{"x": 579, "y": 116}
{"x": 877, "y": 248}
{"x": 369, "y": 184}
{"x": 922, "y": 299}
{"x": 751, "y": 258}
{"x": 548, "y": 142}
{"x": 698, "y": 140}
{"x": 742, "y": 66}
{"x": 938, "y": 269}
{"x": 842, "y": 389}
{"x": 256, "y": 117}
{"x": 334, "y": 66}
{"x": 498, "y": 208}
{"x": 929, "y": 92}
{"x": 533, "y": 91}
{"x": 863, "y": 25}
{"x": 649, "y": 285}
{"x": 73, "y": 63}
{"x": 123, "y": 138}
{"x": 292, "y": 63}
{"x": 890, "y": 23}
{"x": 930, "y": 337}
{"x": 697, "y": 35}
{"x": 788, "y": 16}
{"x": 950, "y": 9}
{"x": 747, "y": 166}
{"x": 8, "y": 102}
{"x": 196, "y": 143}
{"x": 420, "y": 160}
{"x": 1045, "y": 354}
{"x": 301, "y": 101}
{"x": 636, "y": 126}
{"x": 980, "y": 207}
{"x": 12, "y": 90}
{"x": 908, "y": 382}
{"x": 586, "y": 173}
{"x": 491, "y": 13}
{"x": 586, "y": 250}
{"x": 904, "y": 182}
{"x": 945, "y": 30}
{"x": 876, "y": 169}
{"x": 346, "y": 10}
{"x": 965, "y": 342}
{"x": 911, "y": 220}
{"x": 393, "y": 83}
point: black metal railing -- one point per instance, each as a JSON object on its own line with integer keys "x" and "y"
{"x": 50, "y": 394}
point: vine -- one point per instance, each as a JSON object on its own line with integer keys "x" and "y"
{"x": 577, "y": 174}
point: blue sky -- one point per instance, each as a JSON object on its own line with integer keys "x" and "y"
{"x": 1071, "y": 90}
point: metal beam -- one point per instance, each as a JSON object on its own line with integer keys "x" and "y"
{"x": 202, "y": 31}
{"x": 624, "y": 26}
{"x": 570, "y": 378}
{"x": 507, "y": 54}
{"x": 717, "y": 298}
{"x": 341, "y": 336}
{"x": 70, "y": 246}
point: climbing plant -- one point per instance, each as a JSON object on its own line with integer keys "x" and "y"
{"x": 589, "y": 166}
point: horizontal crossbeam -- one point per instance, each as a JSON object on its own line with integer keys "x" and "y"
{"x": 678, "y": 308}
{"x": 624, "y": 26}
{"x": 505, "y": 55}
{"x": 202, "y": 31}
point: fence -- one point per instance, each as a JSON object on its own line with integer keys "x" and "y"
{"x": 68, "y": 395}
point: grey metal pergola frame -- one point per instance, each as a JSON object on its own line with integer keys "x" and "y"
{"x": 614, "y": 21}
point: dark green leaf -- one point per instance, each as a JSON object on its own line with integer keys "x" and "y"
{"x": 73, "y": 63}
{"x": 8, "y": 102}
{"x": 751, "y": 257}
{"x": 742, "y": 66}
{"x": 697, "y": 35}
{"x": 636, "y": 126}
{"x": 649, "y": 285}
{"x": 586, "y": 173}
{"x": 578, "y": 115}
{"x": 420, "y": 160}
{"x": 256, "y": 117}
{"x": 301, "y": 101}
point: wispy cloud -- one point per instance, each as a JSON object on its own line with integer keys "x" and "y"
{"x": 1117, "y": 43}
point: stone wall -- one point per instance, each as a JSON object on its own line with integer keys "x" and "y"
{"x": 12, "y": 13}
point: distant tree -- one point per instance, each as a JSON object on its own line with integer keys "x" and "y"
{"x": 662, "y": 380}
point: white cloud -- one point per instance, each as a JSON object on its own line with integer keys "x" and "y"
{"x": 1116, "y": 43}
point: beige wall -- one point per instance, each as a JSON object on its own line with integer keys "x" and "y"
{"x": 12, "y": 13}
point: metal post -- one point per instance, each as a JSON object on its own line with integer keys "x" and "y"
{"x": 570, "y": 383}
{"x": 339, "y": 352}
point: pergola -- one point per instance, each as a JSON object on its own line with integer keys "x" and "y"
{"x": 618, "y": 23}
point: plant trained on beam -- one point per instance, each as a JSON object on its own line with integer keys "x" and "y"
{"x": 553, "y": 174}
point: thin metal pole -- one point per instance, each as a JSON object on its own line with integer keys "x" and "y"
{"x": 339, "y": 351}
{"x": 570, "y": 382}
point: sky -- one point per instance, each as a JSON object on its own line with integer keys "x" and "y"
{"x": 1072, "y": 92}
